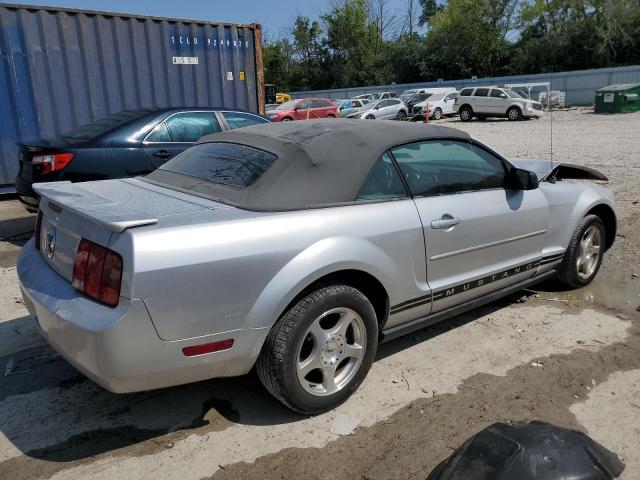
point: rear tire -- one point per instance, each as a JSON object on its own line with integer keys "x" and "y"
{"x": 466, "y": 114}
{"x": 583, "y": 257}
{"x": 320, "y": 350}
{"x": 514, "y": 114}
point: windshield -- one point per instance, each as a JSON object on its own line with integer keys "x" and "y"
{"x": 512, "y": 94}
{"x": 93, "y": 129}
{"x": 290, "y": 105}
{"x": 224, "y": 163}
{"x": 369, "y": 105}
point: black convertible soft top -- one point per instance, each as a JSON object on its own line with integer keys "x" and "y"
{"x": 320, "y": 162}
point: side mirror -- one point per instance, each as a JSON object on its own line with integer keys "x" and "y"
{"x": 520, "y": 179}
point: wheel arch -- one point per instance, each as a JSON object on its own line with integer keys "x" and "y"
{"x": 368, "y": 284}
{"x": 608, "y": 217}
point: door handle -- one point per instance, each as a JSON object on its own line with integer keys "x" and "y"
{"x": 162, "y": 154}
{"x": 445, "y": 222}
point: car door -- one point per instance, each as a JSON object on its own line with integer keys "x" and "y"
{"x": 481, "y": 102}
{"x": 389, "y": 109}
{"x": 302, "y": 110}
{"x": 480, "y": 236}
{"x": 499, "y": 101}
{"x": 177, "y": 133}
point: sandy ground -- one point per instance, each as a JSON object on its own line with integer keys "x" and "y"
{"x": 566, "y": 357}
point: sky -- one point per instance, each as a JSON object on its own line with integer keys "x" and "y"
{"x": 274, "y": 15}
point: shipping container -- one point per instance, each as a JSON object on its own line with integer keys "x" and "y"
{"x": 61, "y": 68}
{"x": 621, "y": 98}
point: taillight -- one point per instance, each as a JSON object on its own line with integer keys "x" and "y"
{"x": 97, "y": 272}
{"x": 38, "y": 229}
{"x": 52, "y": 162}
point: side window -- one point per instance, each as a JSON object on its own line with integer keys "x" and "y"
{"x": 382, "y": 182}
{"x": 304, "y": 105}
{"x": 444, "y": 166}
{"x": 160, "y": 134}
{"x": 239, "y": 119}
{"x": 189, "y": 127}
{"x": 319, "y": 104}
{"x": 466, "y": 92}
{"x": 498, "y": 93}
{"x": 384, "y": 103}
{"x": 481, "y": 92}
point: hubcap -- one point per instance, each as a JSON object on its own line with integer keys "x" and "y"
{"x": 465, "y": 114}
{"x": 589, "y": 252}
{"x": 513, "y": 114}
{"x": 331, "y": 351}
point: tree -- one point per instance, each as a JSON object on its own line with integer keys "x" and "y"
{"x": 351, "y": 40}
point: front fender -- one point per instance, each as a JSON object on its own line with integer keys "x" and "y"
{"x": 569, "y": 203}
{"x": 322, "y": 258}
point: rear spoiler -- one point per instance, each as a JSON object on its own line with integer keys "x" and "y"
{"x": 114, "y": 216}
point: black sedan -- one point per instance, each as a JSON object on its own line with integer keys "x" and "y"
{"x": 125, "y": 144}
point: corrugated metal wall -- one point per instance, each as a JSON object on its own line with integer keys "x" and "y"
{"x": 580, "y": 85}
{"x": 62, "y": 68}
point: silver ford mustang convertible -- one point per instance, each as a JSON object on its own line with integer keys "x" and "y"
{"x": 298, "y": 247}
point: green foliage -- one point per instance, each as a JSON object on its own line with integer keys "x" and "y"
{"x": 345, "y": 47}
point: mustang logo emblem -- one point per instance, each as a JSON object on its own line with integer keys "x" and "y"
{"x": 50, "y": 242}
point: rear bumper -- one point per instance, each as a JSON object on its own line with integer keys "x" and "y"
{"x": 26, "y": 195}
{"x": 118, "y": 348}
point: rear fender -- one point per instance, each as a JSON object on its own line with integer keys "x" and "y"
{"x": 318, "y": 260}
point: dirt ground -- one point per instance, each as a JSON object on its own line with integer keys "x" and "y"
{"x": 571, "y": 358}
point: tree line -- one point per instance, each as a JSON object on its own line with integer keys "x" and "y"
{"x": 366, "y": 42}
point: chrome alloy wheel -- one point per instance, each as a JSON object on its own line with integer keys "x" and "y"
{"x": 331, "y": 351}
{"x": 589, "y": 252}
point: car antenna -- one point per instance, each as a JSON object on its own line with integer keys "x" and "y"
{"x": 550, "y": 109}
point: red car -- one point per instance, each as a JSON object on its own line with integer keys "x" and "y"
{"x": 303, "y": 109}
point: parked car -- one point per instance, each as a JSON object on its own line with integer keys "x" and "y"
{"x": 347, "y": 107}
{"x": 484, "y": 102}
{"x": 427, "y": 90}
{"x": 413, "y": 100}
{"x": 125, "y": 144}
{"x": 438, "y": 106}
{"x": 303, "y": 109}
{"x": 367, "y": 96}
{"x": 296, "y": 248}
{"x": 386, "y": 95}
{"x": 391, "y": 108}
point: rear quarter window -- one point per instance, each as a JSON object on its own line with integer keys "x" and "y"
{"x": 229, "y": 164}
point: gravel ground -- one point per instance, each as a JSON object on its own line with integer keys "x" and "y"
{"x": 566, "y": 357}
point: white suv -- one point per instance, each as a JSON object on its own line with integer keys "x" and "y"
{"x": 482, "y": 102}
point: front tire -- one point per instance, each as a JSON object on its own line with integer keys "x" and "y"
{"x": 584, "y": 254}
{"x": 320, "y": 350}
{"x": 514, "y": 114}
{"x": 401, "y": 115}
{"x": 437, "y": 114}
{"x": 370, "y": 117}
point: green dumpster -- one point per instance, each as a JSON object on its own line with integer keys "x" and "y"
{"x": 621, "y": 98}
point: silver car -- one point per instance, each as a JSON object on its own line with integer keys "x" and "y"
{"x": 388, "y": 109}
{"x": 297, "y": 248}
